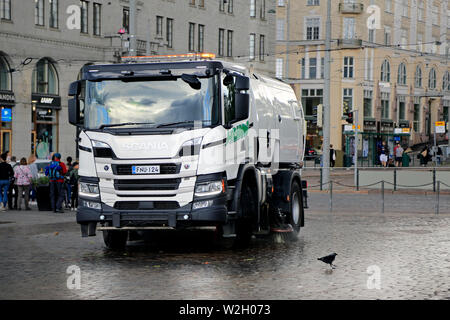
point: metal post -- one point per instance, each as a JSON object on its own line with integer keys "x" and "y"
{"x": 331, "y": 196}
{"x": 382, "y": 196}
{"x": 355, "y": 116}
{"x": 434, "y": 180}
{"x": 326, "y": 99}
{"x": 357, "y": 180}
{"x": 321, "y": 181}
{"x": 133, "y": 28}
{"x": 437, "y": 197}
{"x": 395, "y": 179}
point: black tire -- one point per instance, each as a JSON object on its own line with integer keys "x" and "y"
{"x": 296, "y": 211}
{"x": 114, "y": 239}
{"x": 247, "y": 209}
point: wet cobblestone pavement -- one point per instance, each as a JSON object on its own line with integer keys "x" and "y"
{"x": 411, "y": 250}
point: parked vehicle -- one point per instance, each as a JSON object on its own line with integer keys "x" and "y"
{"x": 182, "y": 144}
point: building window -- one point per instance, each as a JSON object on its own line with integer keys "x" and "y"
{"x": 401, "y": 107}
{"x": 262, "y": 50}
{"x": 369, "y": 67}
{"x": 221, "y": 5}
{"x": 347, "y": 100}
{"x": 432, "y": 79}
{"x": 39, "y": 12}
{"x": 387, "y": 36}
{"x": 84, "y": 16}
{"x": 313, "y": 3}
{"x": 418, "y": 77}
{"x": 312, "y": 68}
{"x": 435, "y": 15}
{"x": 5, "y": 74}
{"x": 201, "y": 37}
{"x": 348, "y": 67}
{"x": 311, "y": 98}
{"x": 279, "y": 68}
{"x": 191, "y": 44}
{"x": 322, "y": 67}
{"x": 263, "y": 9}
{"x": 201, "y": 3}
{"x": 416, "y": 121}
{"x": 280, "y": 29}
{"x": 281, "y": 3}
{"x": 420, "y": 12}
{"x": 230, "y": 6}
{"x": 169, "y": 32}
{"x": 349, "y": 28}
{"x": 126, "y": 19}
{"x": 192, "y": 2}
{"x": 404, "y": 39}
{"x": 229, "y": 43}
{"x": 385, "y": 71}
{"x": 221, "y": 41}
{"x": 159, "y": 26}
{"x": 252, "y": 46}
{"x": 405, "y": 8}
{"x": 253, "y": 8}
{"x": 368, "y": 96}
{"x": 97, "y": 19}
{"x": 446, "y": 107}
{"x": 446, "y": 82}
{"x": 53, "y": 13}
{"x": 45, "y": 78}
{"x": 303, "y": 68}
{"x": 420, "y": 42}
{"x": 312, "y": 28}
{"x": 385, "y": 105}
{"x": 371, "y": 37}
{"x": 388, "y": 5}
{"x": 5, "y": 9}
{"x": 401, "y": 78}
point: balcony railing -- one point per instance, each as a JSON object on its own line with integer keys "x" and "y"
{"x": 350, "y": 43}
{"x": 351, "y": 7}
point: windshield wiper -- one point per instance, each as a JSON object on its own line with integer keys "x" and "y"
{"x": 124, "y": 124}
{"x": 180, "y": 122}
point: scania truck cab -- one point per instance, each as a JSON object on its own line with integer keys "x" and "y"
{"x": 196, "y": 143}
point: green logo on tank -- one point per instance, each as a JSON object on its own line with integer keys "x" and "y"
{"x": 237, "y": 132}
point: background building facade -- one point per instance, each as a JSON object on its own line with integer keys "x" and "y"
{"x": 42, "y": 51}
{"x": 396, "y": 75}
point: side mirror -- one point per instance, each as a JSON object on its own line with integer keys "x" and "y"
{"x": 242, "y": 83}
{"x": 242, "y": 106}
{"x": 75, "y": 88}
{"x": 74, "y": 111}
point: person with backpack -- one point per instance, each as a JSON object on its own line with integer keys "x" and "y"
{"x": 23, "y": 176}
{"x": 56, "y": 171}
{"x": 13, "y": 191}
{"x": 74, "y": 178}
{"x": 6, "y": 173}
{"x": 67, "y": 184}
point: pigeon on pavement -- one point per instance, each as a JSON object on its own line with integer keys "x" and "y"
{"x": 329, "y": 259}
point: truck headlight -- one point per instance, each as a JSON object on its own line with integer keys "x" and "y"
{"x": 209, "y": 188}
{"x": 90, "y": 190}
{"x": 102, "y": 149}
{"x": 191, "y": 147}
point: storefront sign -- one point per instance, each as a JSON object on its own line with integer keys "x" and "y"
{"x": 387, "y": 124}
{"x": 6, "y": 115}
{"x": 7, "y": 97}
{"x": 46, "y": 100}
{"x": 440, "y": 126}
{"x": 404, "y": 124}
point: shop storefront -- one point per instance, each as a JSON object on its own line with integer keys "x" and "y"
{"x": 7, "y": 102}
{"x": 44, "y": 135}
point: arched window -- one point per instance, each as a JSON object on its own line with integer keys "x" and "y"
{"x": 45, "y": 78}
{"x": 432, "y": 79}
{"x": 446, "y": 82}
{"x": 418, "y": 77}
{"x": 385, "y": 71}
{"x": 5, "y": 74}
{"x": 401, "y": 79}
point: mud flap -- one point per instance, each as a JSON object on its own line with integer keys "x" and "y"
{"x": 116, "y": 220}
{"x": 88, "y": 229}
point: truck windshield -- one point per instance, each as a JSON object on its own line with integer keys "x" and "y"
{"x": 171, "y": 102}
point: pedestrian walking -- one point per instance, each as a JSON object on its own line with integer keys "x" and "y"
{"x": 398, "y": 153}
{"x": 13, "y": 191}
{"x": 67, "y": 185}
{"x": 6, "y": 173}
{"x": 74, "y": 178}
{"x": 23, "y": 176}
{"x": 423, "y": 156}
{"x": 56, "y": 171}
{"x": 34, "y": 172}
{"x": 439, "y": 155}
{"x": 332, "y": 156}
{"x": 384, "y": 155}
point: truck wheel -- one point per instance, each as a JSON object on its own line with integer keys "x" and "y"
{"x": 114, "y": 239}
{"x": 247, "y": 208}
{"x": 295, "y": 211}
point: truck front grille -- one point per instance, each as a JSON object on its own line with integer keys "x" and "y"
{"x": 146, "y": 205}
{"x": 166, "y": 168}
{"x": 146, "y": 184}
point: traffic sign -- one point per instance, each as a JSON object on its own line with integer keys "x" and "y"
{"x": 440, "y": 126}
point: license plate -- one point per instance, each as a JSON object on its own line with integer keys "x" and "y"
{"x": 145, "y": 169}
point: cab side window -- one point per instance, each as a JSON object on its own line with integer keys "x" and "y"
{"x": 228, "y": 89}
